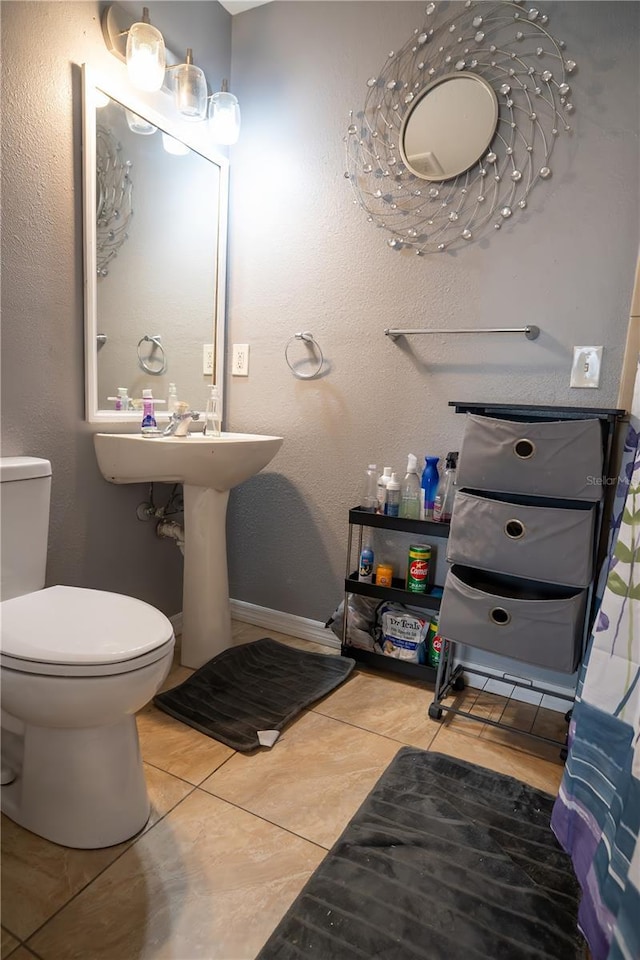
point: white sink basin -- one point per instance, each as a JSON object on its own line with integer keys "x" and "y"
{"x": 217, "y": 462}
{"x": 207, "y": 467}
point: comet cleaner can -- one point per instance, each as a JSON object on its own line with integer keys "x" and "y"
{"x": 434, "y": 644}
{"x": 418, "y": 568}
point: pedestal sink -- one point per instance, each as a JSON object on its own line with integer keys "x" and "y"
{"x": 208, "y": 467}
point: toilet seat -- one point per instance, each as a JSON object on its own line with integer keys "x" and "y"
{"x": 74, "y": 631}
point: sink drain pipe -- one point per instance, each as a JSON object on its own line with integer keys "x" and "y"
{"x": 173, "y": 530}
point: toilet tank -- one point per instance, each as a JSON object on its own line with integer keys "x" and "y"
{"x": 25, "y": 492}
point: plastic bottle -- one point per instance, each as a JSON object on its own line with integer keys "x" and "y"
{"x": 365, "y": 565}
{"x": 369, "y": 500}
{"x": 392, "y": 501}
{"x": 443, "y": 504}
{"x": 429, "y": 484}
{"x": 212, "y": 420}
{"x": 410, "y": 495}
{"x": 381, "y": 488}
{"x": 172, "y": 398}
{"x": 122, "y": 400}
{"x": 149, "y": 426}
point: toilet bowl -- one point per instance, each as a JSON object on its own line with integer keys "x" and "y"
{"x": 75, "y": 666}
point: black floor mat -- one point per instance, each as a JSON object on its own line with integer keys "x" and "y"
{"x": 443, "y": 861}
{"x": 253, "y": 687}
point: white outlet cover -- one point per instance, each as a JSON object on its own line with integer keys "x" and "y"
{"x": 585, "y": 369}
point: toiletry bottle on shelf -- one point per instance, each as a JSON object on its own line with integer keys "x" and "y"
{"x": 410, "y": 494}
{"x": 443, "y": 504}
{"x": 381, "y": 488}
{"x": 429, "y": 484}
{"x": 365, "y": 564}
{"x": 392, "y": 501}
{"x": 172, "y": 399}
{"x": 122, "y": 400}
{"x": 149, "y": 426}
{"x": 212, "y": 420}
{"x": 370, "y": 492}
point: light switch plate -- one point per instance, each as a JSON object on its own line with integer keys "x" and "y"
{"x": 585, "y": 369}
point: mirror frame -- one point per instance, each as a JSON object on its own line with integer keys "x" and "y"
{"x": 154, "y": 108}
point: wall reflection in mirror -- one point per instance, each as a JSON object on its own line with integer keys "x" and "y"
{"x": 449, "y": 127}
{"x": 157, "y": 222}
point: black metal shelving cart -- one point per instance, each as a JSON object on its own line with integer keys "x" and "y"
{"x": 358, "y": 519}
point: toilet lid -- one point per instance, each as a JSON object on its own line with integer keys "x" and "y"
{"x": 82, "y": 628}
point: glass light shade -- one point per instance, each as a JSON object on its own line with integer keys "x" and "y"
{"x": 224, "y": 118}
{"x": 190, "y": 86}
{"x": 138, "y": 124}
{"x": 145, "y": 57}
{"x": 176, "y": 147}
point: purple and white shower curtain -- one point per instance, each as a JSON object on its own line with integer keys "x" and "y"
{"x": 596, "y": 816}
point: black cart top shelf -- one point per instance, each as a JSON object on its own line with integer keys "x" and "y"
{"x": 427, "y": 528}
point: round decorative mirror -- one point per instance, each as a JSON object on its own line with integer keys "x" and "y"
{"x": 473, "y": 103}
{"x": 449, "y": 127}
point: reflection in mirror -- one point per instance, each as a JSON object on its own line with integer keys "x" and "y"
{"x": 153, "y": 259}
{"x": 449, "y": 127}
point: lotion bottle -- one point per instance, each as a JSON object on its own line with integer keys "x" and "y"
{"x": 149, "y": 426}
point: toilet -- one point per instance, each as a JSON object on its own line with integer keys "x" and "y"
{"x": 75, "y": 666}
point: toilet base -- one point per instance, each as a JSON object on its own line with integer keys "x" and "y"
{"x": 81, "y": 788}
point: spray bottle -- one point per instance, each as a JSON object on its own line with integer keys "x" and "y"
{"x": 410, "y": 497}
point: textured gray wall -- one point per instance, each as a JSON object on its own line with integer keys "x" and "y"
{"x": 303, "y": 257}
{"x": 95, "y": 539}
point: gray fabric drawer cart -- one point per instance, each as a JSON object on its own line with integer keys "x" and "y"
{"x": 526, "y": 538}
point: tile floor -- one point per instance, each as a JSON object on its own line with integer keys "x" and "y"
{"x": 233, "y": 837}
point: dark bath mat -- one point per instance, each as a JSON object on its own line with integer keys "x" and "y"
{"x": 444, "y": 860}
{"x": 254, "y": 688}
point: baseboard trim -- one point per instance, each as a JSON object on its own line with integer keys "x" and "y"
{"x": 315, "y": 631}
{"x": 281, "y": 622}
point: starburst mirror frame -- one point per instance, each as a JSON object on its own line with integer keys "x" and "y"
{"x": 508, "y": 46}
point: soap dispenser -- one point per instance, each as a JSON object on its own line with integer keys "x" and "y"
{"x": 212, "y": 418}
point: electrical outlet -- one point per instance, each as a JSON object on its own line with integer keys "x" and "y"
{"x": 207, "y": 358}
{"x": 240, "y": 360}
{"x": 585, "y": 369}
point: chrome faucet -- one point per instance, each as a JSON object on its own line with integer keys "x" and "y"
{"x": 179, "y": 423}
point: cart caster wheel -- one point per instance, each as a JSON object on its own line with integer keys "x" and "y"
{"x": 567, "y": 716}
{"x": 564, "y": 753}
{"x": 435, "y": 712}
{"x": 458, "y": 684}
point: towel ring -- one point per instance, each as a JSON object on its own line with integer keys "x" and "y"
{"x": 308, "y": 338}
{"x": 144, "y": 361}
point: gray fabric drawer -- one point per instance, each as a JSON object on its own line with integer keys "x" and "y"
{"x": 546, "y": 543}
{"x": 539, "y": 624}
{"x": 562, "y": 458}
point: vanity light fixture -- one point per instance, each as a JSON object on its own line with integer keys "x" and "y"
{"x": 138, "y": 124}
{"x": 145, "y": 54}
{"x": 190, "y": 89}
{"x": 224, "y": 116}
{"x": 142, "y": 47}
{"x": 176, "y": 147}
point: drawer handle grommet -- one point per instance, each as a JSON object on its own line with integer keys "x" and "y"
{"x": 514, "y": 529}
{"x": 500, "y": 616}
{"x": 524, "y": 449}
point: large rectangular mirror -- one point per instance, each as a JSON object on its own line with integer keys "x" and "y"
{"x": 155, "y": 216}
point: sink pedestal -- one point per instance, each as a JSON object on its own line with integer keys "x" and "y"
{"x": 206, "y": 616}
